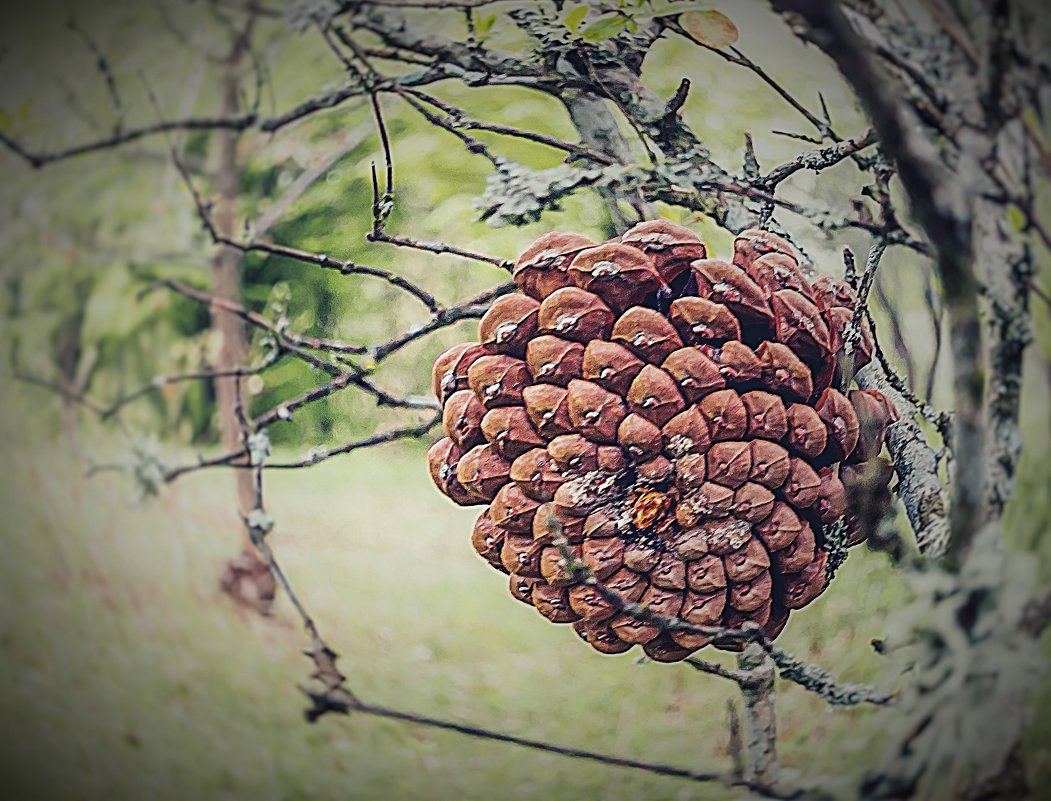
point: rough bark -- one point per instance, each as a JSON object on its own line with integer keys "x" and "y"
{"x": 1008, "y": 297}
{"x": 598, "y": 129}
{"x": 916, "y": 465}
{"x": 760, "y": 715}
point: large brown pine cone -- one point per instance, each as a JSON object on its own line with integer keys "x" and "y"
{"x": 680, "y": 417}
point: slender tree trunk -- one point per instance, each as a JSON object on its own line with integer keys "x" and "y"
{"x": 247, "y": 577}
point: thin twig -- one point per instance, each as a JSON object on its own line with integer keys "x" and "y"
{"x": 459, "y": 117}
{"x": 715, "y": 669}
{"x": 161, "y": 381}
{"x": 346, "y": 267}
{"x": 102, "y": 63}
{"x": 254, "y": 318}
{"x": 39, "y": 159}
{"x": 323, "y": 704}
{"x": 320, "y": 455}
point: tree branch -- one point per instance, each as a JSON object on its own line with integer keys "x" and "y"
{"x": 916, "y": 465}
{"x": 946, "y": 219}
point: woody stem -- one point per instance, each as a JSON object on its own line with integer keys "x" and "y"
{"x": 760, "y": 714}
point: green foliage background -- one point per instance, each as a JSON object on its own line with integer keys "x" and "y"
{"x": 85, "y": 236}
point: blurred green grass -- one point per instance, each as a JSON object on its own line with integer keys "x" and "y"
{"x": 128, "y": 674}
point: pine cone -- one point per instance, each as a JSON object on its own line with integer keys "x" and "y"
{"x": 681, "y": 420}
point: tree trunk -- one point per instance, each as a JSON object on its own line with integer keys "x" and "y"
{"x": 598, "y": 129}
{"x": 246, "y": 578}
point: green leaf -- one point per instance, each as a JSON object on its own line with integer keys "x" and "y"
{"x": 1017, "y": 217}
{"x": 711, "y": 28}
{"x": 6, "y": 123}
{"x": 604, "y": 28}
{"x": 485, "y": 24}
{"x": 575, "y": 17}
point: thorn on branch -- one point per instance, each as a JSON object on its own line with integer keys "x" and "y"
{"x": 850, "y": 268}
{"x": 751, "y": 161}
{"x": 677, "y": 100}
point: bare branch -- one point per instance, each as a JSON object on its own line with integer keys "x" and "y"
{"x": 318, "y": 168}
{"x": 324, "y": 657}
{"x": 735, "y": 746}
{"x": 397, "y": 32}
{"x": 320, "y": 455}
{"x": 254, "y": 318}
{"x": 53, "y": 386}
{"x": 472, "y": 144}
{"x": 161, "y": 381}
{"x": 916, "y": 465}
{"x": 470, "y": 308}
{"x": 852, "y": 332}
{"x": 715, "y": 669}
{"x": 346, "y": 267}
{"x": 939, "y": 420}
{"x": 458, "y": 118}
{"x": 898, "y": 338}
{"x": 436, "y": 4}
{"x": 223, "y": 460}
{"x": 824, "y": 683}
{"x": 818, "y": 159}
{"x": 39, "y": 159}
{"x": 437, "y": 247}
{"x": 760, "y": 714}
{"x": 324, "y": 704}
{"x": 103, "y": 67}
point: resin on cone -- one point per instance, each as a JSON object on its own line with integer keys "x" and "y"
{"x": 680, "y": 419}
